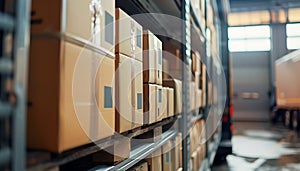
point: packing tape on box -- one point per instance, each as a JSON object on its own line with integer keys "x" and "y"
{"x": 97, "y": 12}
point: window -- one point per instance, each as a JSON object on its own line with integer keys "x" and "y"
{"x": 249, "y": 38}
{"x": 293, "y": 36}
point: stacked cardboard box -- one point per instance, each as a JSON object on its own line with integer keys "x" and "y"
{"x": 155, "y": 161}
{"x": 177, "y": 87}
{"x": 69, "y": 119}
{"x": 140, "y": 167}
{"x": 155, "y": 103}
{"x": 167, "y": 156}
{"x": 197, "y": 144}
{"x": 128, "y": 78}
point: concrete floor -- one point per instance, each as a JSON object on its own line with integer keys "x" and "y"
{"x": 263, "y": 147}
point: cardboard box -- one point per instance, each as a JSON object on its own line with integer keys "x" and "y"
{"x": 198, "y": 98}
{"x": 170, "y": 102}
{"x": 128, "y": 36}
{"x": 166, "y": 156}
{"x": 140, "y": 167}
{"x": 149, "y": 57}
{"x": 76, "y": 18}
{"x": 155, "y": 161}
{"x": 165, "y": 99}
{"x": 287, "y": 81}
{"x": 116, "y": 153}
{"x": 150, "y": 103}
{"x": 194, "y": 158}
{"x": 123, "y": 95}
{"x": 203, "y": 84}
{"x": 200, "y": 157}
{"x": 137, "y": 87}
{"x": 192, "y": 96}
{"x": 159, "y": 61}
{"x": 177, "y": 86}
{"x": 160, "y": 103}
{"x": 66, "y": 69}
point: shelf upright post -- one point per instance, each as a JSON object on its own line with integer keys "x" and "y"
{"x": 186, "y": 79}
{"x": 20, "y": 55}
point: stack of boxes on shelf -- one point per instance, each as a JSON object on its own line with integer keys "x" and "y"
{"x": 58, "y": 67}
{"x": 199, "y": 6}
{"x": 76, "y": 94}
{"x": 195, "y": 88}
{"x": 168, "y": 157}
{"x": 197, "y": 144}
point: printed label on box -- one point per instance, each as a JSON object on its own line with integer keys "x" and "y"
{"x": 109, "y": 28}
{"x": 108, "y": 103}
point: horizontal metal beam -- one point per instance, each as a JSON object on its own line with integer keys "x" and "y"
{"x": 6, "y": 22}
{"x": 6, "y": 66}
{"x": 5, "y": 156}
{"x": 5, "y": 110}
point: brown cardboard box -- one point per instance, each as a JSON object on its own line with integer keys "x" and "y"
{"x": 203, "y": 85}
{"x": 194, "y": 158}
{"x": 124, "y": 108}
{"x": 128, "y": 36}
{"x": 76, "y": 18}
{"x": 116, "y": 153}
{"x": 150, "y": 103}
{"x": 160, "y": 103}
{"x": 155, "y": 161}
{"x": 149, "y": 57}
{"x": 192, "y": 96}
{"x": 166, "y": 156}
{"x": 52, "y": 123}
{"x": 198, "y": 98}
{"x": 170, "y": 102}
{"x": 165, "y": 99}
{"x": 287, "y": 81}
{"x": 159, "y": 61}
{"x": 177, "y": 86}
{"x": 137, "y": 87}
{"x": 140, "y": 167}
{"x": 200, "y": 157}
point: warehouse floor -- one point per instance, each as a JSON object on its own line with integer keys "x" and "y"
{"x": 264, "y": 147}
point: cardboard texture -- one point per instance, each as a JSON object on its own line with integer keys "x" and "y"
{"x": 76, "y": 18}
{"x": 287, "y": 81}
{"x": 160, "y": 104}
{"x": 177, "y": 86}
{"x": 140, "y": 167}
{"x": 166, "y": 156}
{"x": 114, "y": 154}
{"x": 165, "y": 100}
{"x": 155, "y": 161}
{"x": 124, "y": 108}
{"x": 128, "y": 36}
{"x": 203, "y": 84}
{"x": 149, "y": 57}
{"x": 137, "y": 87}
{"x": 150, "y": 103}
{"x": 192, "y": 96}
{"x": 52, "y": 123}
{"x": 159, "y": 61}
{"x": 198, "y": 98}
{"x": 170, "y": 102}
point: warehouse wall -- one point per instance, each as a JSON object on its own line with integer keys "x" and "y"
{"x": 250, "y": 76}
{"x": 254, "y": 72}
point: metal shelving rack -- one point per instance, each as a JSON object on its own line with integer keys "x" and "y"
{"x": 14, "y": 26}
{"x": 13, "y": 69}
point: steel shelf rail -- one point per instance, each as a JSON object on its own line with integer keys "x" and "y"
{"x": 13, "y": 69}
{"x": 144, "y": 151}
{"x": 80, "y": 152}
{"x": 213, "y": 147}
{"x": 197, "y": 22}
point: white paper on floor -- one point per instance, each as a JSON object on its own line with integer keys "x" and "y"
{"x": 259, "y": 148}
{"x": 236, "y": 163}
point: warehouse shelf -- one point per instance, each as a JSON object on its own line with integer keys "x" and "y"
{"x": 5, "y": 109}
{"x": 144, "y": 151}
{"x": 6, "y": 66}
{"x": 6, "y": 22}
{"x": 204, "y": 165}
{"x": 52, "y": 161}
{"x": 5, "y": 155}
{"x": 196, "y": 118}
{"x": 78, "y": 41}
{"x": 196, "y": 21}
{"x": 213, "y": 147}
